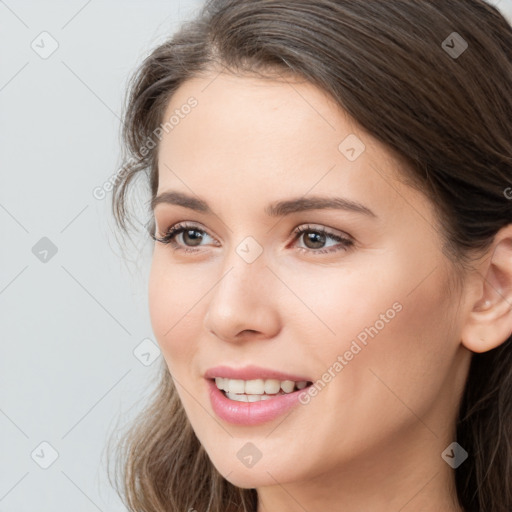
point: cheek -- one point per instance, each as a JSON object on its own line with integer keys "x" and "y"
{"x": 379, "y": 317}
{"x": 175, "y": 312}
{"x": 331, "y": 308}
{"x": 408, "y": 356}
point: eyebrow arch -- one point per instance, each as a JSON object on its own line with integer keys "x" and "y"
{"x": 277, "y": 209}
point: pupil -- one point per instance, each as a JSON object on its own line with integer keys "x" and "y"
{"x": 194, "y": 239}
{"x": 319, "y": 239}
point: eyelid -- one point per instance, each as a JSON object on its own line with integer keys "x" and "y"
{"x": 180, "y": 227}
{"x": 305, "y": 226}
{"x": 320, "y": 227}
{"x": 344, "y": 239}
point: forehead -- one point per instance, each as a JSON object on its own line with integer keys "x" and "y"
{"x": 258, "y": 110}
{"x": 248, "y": 137}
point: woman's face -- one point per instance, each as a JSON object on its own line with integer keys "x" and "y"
{"x": 358, "y": 304}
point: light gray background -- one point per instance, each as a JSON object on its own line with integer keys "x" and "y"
{"x": 70, "y": 325}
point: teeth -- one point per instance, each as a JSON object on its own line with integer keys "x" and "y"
{"x": 236, "y": 386}
{"x": 247, "y": 398}
{"x": 241, "y": 389}
{"x": 238, "y": 398}
{"x": 287, "y": 386}
{"x": 253, "y": 387}
{"x": 272, "y": 386}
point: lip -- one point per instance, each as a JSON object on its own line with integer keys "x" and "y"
{"x": 250, "y": 413}
{"x": 251, "y": 373}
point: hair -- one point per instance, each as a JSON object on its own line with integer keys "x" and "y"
{"x": 447, "y": 117}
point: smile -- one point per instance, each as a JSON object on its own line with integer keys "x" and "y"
{"x": 253, "y": 395}
{"x": 258, "y": 389}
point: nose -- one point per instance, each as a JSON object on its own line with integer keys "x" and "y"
{"x": 243, "y": 304}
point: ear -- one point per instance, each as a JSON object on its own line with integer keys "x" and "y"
{"x": 489, "y": 323}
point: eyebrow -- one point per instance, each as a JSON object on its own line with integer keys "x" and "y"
{"x": 276, "y": 209}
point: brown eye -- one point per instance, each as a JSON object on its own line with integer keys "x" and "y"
{"x": 314, "y": 240}
{"x": 192, "y": 235}
{"x": 188, "y": 238}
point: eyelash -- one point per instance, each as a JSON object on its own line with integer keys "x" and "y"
{"x": 177, "y": 229}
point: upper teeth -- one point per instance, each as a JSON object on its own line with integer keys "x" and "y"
{"x": 258, "y": 386}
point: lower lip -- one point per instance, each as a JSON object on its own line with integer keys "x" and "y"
{"x": 250, "y": 413}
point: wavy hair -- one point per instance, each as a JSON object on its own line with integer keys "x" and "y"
{"x": 391, "y": 65}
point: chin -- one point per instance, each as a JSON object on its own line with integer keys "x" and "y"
{"x": 263, "y": 473}
{"x": 251, "y": 478}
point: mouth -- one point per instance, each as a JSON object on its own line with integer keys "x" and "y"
{"x": 257, "y": 390}
{"x": 253, "y": 395}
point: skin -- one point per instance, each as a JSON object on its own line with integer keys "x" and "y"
{"x": 372, "y": 438}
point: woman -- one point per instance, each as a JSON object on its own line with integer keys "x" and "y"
{"x": 331, "y": 282}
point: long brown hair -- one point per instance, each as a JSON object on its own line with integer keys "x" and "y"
{"x": 443, "y": 107}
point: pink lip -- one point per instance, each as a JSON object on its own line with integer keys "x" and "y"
{"x": 250, "y": 373}
{"x": 250, "y": 413}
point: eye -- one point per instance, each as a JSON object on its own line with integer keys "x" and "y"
{"x": 188, "y": 232}
{"x": 316, "y": 236}
{"x": 190, "y": 236}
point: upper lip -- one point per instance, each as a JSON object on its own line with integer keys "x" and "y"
{"x": 251, "y": 373}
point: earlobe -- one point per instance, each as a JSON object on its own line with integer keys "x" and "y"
{"x": 489, "y": 322}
